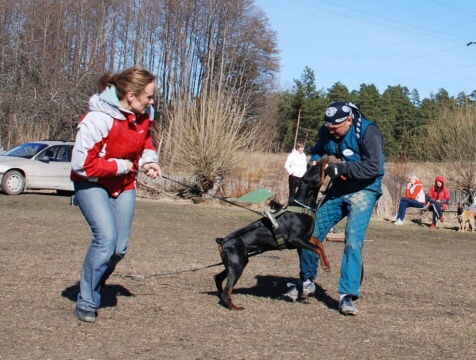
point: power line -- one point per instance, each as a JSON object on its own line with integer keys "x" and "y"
{"x": 384, "y": 18}
{"x": 389, "y": 19}
{"x": 395, "y": 63}
{"x": 451, "y": 7}
{"x": 343, "y": 77}
{"x": 366, "y": 52}
{"x": 435, "y": 72}
{"x": 390, "y": 45}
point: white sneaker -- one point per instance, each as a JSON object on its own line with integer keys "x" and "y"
{"x": 309, "y": 289}
{"x": 394, "y": 218}
{"x": 346, "y": 307}
{"x": 399, "y": 222}
{"x": 300, "y": 290}
{"x": 292, "y": 294}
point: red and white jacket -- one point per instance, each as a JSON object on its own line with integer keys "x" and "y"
{"x": 107, "y": 136}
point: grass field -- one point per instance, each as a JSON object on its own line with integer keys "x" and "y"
{"x": 416, "y": 302}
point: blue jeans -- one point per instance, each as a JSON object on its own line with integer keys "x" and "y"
{"x": 404, "y": 204}
{"x": 358, "y": 208}
{"x": 110, "y": 220}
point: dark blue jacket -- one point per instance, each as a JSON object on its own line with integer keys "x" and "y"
{"x": 362, "y": 154}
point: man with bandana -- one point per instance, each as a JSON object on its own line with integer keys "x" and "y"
{"x": 356, "y": 187}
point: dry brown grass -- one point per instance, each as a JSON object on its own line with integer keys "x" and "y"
{"x": 256, "y": 170}
{"x": 416, "y": 303}
{"x": 25, "y": 131}
{"x": 266, "y": 170}
{"x": 210, "y": 136}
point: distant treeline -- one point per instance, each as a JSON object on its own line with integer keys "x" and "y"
{"x": 400, "y": 113}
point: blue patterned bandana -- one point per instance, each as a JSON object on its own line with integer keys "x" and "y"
{"x": 337, "y": 112}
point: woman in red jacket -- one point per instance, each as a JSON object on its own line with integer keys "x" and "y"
{"x": 112, "y": 137}
{"x": 438, "y": 199}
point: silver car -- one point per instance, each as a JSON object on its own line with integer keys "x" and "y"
{"x": 37, "y": 165}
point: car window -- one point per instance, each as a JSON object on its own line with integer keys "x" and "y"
{"x": 61, "y": 153}
{"x": 27, "y": 150}
{"x": 50, "y": 153}
{"x": 64, "y": 154}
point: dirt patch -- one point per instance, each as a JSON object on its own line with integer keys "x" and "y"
{"x": 417, "y": 297}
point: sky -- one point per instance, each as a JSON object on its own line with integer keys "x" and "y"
{"x": 420, "y": 44}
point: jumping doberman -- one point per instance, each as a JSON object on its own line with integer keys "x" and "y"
{"x": 288, "y": 228}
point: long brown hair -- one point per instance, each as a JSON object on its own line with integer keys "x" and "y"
{"x": 105, "y": 81}
{"x": 133, "y": 79}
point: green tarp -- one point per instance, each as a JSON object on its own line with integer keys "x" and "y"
{"x": 258, "y": 196}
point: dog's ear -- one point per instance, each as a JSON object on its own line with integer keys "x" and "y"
{"x": 323, "y": 164}
{"x": 325, "y": 159}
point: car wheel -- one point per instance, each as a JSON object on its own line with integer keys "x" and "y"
{"x": 13, "y": 183}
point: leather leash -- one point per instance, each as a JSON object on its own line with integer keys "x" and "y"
{"x": 194, "y": 187}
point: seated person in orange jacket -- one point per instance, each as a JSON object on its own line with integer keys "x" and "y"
{"x": 414, "y": 197}
{"x": 438, "y": 199}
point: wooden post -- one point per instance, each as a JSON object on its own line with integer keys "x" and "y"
{"x": 297, "y": 127}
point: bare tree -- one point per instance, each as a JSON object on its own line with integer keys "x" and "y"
{"x": 52, "y": 52}
{"x": 449, "y": 138}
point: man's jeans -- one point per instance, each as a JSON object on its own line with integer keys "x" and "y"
{"x": 358, "y": 208}
{"x": 110, "y": 220}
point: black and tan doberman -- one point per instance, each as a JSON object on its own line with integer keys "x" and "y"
{"x": 289, "y": 228}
